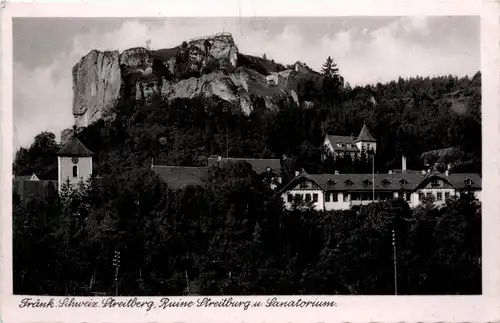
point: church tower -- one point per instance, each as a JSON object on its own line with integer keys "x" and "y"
{"x": 366, "y": 141}
{"x": 74, "y": 163}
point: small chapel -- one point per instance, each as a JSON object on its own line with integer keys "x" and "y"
{"x": 74, "y": 163}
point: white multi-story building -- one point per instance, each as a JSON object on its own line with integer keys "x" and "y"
{"x": 342, "y": 191}
{"x": 341, "y": 146}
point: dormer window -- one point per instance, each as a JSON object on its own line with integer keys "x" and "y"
{"x": 349, "y": 146}
{"x": 268, "y": 169}
{"x": 339, "y": 144}
{"x": 385, "y": 182}
{"x": 468, "y": 182}
{"x": 403, "y": 182}
{"x": 348, "y": 182}
{"x": 330, "y": 182}
{"x": 367, "y": 182}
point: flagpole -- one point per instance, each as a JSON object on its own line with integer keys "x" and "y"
{"x": 187, "y": 281}
{"x": 227, "y": 143}
{"x": 373, "y": 177}
{"x": 395, "y": 262}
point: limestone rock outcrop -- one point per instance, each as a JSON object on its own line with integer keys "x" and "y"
{"x": 97, "y": 82}
{"x": 209, "y": 66}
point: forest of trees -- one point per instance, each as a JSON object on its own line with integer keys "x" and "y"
{"x": 232, "y": 235}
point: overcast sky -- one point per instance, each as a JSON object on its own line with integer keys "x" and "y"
{"x": 367, "y": 50}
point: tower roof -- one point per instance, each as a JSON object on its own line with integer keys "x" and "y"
{"x": 74, "y": 147}
{"x": 365, "y": 135}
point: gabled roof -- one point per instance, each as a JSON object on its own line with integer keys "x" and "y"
{"x": 361, "y": 182}
{"x": 178, "y": 177}
{"x": 74, "y": 147}
{"x": 389, "y": 182}
{"x": 364, "y": 135}
{"x": 258, "y": 165}
{"x": 433, "y": 175}
{"x": 333, "y": 139}
{"x": 457, "y": 180}
{"x": 364, "y": 182}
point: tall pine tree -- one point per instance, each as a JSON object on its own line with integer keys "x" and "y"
{"x": 330, "y": 68}
{"x": 332, "y": 82}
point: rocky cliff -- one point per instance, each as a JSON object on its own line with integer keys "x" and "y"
{"x": 210, "y": 66}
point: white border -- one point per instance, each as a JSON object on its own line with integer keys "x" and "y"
{"x": 485, "y": 308}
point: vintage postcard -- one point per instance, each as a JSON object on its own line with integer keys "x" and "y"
{"x": 250, "y": 161}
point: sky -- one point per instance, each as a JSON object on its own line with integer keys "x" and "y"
{"x": 367, "y": 50}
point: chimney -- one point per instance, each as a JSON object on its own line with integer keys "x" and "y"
{"x": 447, "y": 171}
{"x": 336, "y": 172}
{"x": 391, "y": 171}
{"x": 403, "y": 164}
{"x": 219, "y": 158}
{"x": 297, "y": 173}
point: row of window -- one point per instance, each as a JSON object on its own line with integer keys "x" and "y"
{"x": 353, "y": 155}
{"x": 306, "y": 197}
{"x": 334, "y": 197}
{"x": 438, "y": 196}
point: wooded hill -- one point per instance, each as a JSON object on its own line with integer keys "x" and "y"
{"x": 232, "y": 235}
{"x": 408, "y": 117}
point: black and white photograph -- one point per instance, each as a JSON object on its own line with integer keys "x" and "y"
{"x": 247, "y": 156}
{"x": 250, "y": 161}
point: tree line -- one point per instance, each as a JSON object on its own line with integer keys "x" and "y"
{"x": 233, "y": 236}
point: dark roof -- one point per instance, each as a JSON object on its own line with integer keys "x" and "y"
{"x": 364, "y": 135}
{"x": 457, "y": 180}
{"x": 178, "y": 177}
{"x": 22, "y": 178}
{"x": 363, "y": 182}
{"x": 344, "y": 140}
{"x": 26, "y": 188}
{"x": 391, "y": 182}
{"x": 258, "y": 165}
{"x": 74, "y": 147}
